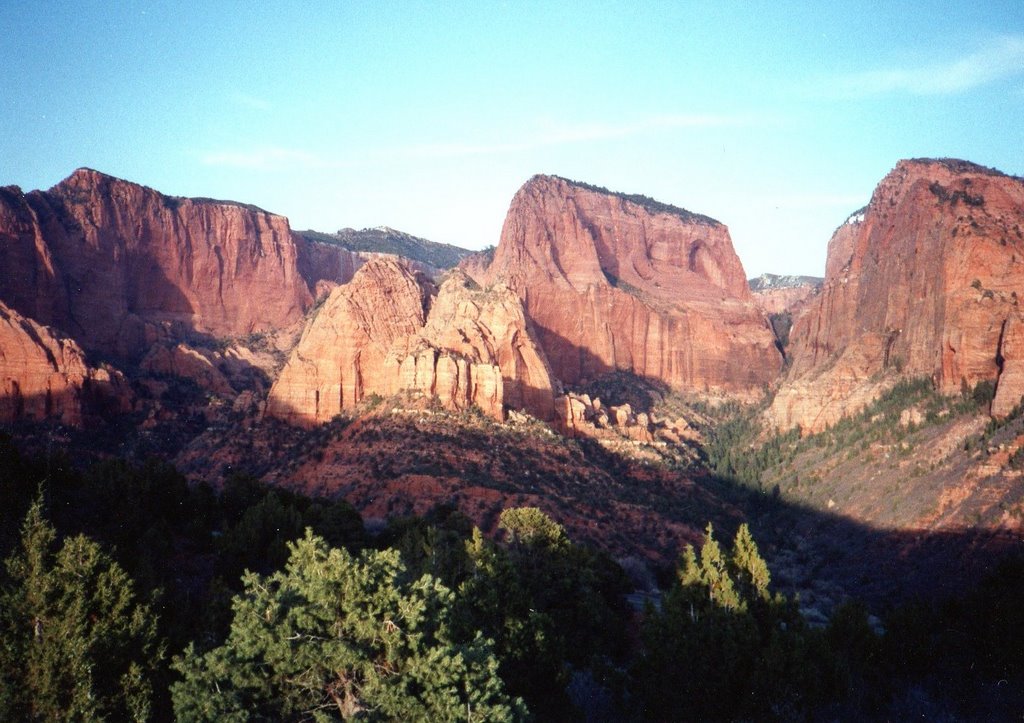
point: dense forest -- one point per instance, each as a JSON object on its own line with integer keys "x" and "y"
{"x": 128, "y": 594}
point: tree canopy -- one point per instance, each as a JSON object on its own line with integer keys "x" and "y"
{"x": 334, "y": 636}
{"x": 722, "y": 646}
{"x": 76, "y": 645}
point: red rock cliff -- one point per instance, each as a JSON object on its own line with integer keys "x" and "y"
{"x": 924, "y": 282}
{"x": 391, "y": 330}
{"x": 118, "y": 265}
{"x": 614, "y": 282}
{"x": 784, "y": 294}
{"x": 45, "y": 376}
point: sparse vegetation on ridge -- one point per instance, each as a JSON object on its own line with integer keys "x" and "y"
{"x": 957, "y": 165}
{"x": 647, "y": 203}
{"x": 389, "y": 241}
{"x": 741, "y": 450}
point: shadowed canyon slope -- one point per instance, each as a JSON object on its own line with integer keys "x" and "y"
{"x": 392, "y": 330}
{"x": 626, "y": 283}
{"x": 923, "y": 282}
{"x": 120, "y": 266}
{"x": 584, "y": 282}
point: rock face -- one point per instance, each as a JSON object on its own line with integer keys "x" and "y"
{"x": 784, "y": 294}
{"x": 922, "y": 282}
{"x": 45, "y": 376}
{"x": 625, "y": 283}
{"x": 1010, "y": 387}
{"x": 326, "y": 263}
{"x": 119, "y": 266}
{"x": 392, "y": 330}
{"x": 183, "y": 361}
{"x": 384, "y": 240}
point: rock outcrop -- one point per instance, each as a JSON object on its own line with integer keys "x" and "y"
{"x": 384, "y": 240}
{"x": 616, "y": 282}
{"x": 580, "y": 415}
{"x": 119, "y": 266}
{"x": 46, "y": 376}
{"x": 182, "y": 360}
{"x": 392, "y": 330}
{"x": 775, "y": 294}
{"x": 922, "y": 282}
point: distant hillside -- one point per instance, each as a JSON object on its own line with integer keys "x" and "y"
{"x": 765, "y": 282}
{"x": 389, "y": 241}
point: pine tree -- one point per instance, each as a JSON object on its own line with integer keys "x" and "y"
{"x": 710, "y": 574}
{"x": 335, "y": 637}
{"x": 530, "y": 526}
{"x": 551, "y": 606}
{"x": 722, "y": 647}
{"x": 749, "y": 568}
{"x": 76, "y": 643}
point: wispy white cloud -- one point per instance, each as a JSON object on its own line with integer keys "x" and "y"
{"x": 264, "y": 158}
{"x": 1003, "y": 57}
{"x": 564, "y": 134}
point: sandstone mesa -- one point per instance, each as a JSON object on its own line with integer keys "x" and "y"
{"x": 626, "y": 283}
{"x": 922, "y": 282}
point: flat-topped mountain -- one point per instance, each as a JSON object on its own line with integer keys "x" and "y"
{"x": 120, "y": 266}
{"x": 618, "y": 282}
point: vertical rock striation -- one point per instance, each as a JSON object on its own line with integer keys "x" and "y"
{"x": 616, "y": 282}
{"x": 922, "y": 282}
{"x": 391, "y": 331}
{"x": 119, "y": 266}
{"x": 45, "y": 376}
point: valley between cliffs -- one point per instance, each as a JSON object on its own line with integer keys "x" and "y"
{"x": 609, "y": 363}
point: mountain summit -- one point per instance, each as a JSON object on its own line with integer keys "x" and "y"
{"x": 620, "y": 282}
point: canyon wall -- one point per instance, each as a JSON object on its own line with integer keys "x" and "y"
{"x": 44, "y": 375}
{"x": 922, "y": 282}
{"x": 616, "y": 282}
{"x": 119, "y": 266}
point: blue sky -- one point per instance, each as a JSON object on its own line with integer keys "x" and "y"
{"x": 777, "y": 118}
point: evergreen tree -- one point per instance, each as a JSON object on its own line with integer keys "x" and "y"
{"x": 722, "y": 647}
{"x": 710, "y": 574}
{"x": 529, "y": 526}
{"x": 337, "y": 637}
{"x": 76, "y": 643}
{"x": 550, "y": 606}
{"x": 749, "y": 568}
